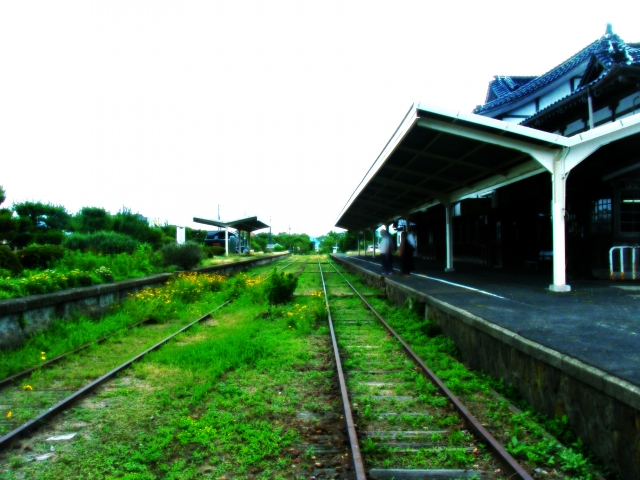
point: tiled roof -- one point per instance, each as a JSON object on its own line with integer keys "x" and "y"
{"x": 609, "y": 49}
{"x": 608, "y": 61}
{"x": 504, "y": 85}
{"x": 576, "y": 94}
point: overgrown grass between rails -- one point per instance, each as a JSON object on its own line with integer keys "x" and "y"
{"x": 208, "y": 405}
{"x": 521, "y": 434}
{"x": 183, "y": 299}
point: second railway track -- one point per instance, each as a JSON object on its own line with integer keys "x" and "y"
{"x": 62, "y": 381}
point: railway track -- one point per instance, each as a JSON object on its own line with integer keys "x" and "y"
{"x": 401, "y": 420}
{"x": 397, "y": 423}
{"x": 64, "y": 380}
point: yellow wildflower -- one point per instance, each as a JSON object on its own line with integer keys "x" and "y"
{"x": 27, "y": 387}
{"x": 43, "y": 357}
{"x": 9, "y": 414}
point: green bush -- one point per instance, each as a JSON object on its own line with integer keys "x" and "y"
{"x": 101, "y": 242}
{"x": 217, "y": 251}
{"x": 104, "y": 274}
{"x": 49, "y": 237}
{"x": 9, "y": 289}
{"x": 40, "y": 256}
{"x": 79, "y": 278}
{"x": 279, "y": 287}
{"x": 10, "y": 261}
{"x": 186, "y": 256}
{"x": 43, "y": 282}
{"x": 137, "y": 226}
{"x": 144, "y": 261}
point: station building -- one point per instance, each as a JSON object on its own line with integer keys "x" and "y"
{"x": 544, "y": 175}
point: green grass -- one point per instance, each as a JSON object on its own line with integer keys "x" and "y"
{"x": 209, "y": 404}
{"x": 522, "y": 434}
{"x": 173, "y": 302}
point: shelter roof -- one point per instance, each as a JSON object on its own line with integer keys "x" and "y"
{"x": 249, "y": 224}
{"x": 442, "y": 156}
{"x": 439, "y": 156}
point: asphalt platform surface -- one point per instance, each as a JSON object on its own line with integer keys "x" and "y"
{"x": 598, "y": 322}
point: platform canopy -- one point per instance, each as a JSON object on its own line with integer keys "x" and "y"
{"x": 249, "y": 224}
{"x": 439, "y": 156}
{"x": 443, "y": 156}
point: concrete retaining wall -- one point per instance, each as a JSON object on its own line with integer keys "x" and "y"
{"x": 22, "y": 317}
{"x": 603, "y": 410}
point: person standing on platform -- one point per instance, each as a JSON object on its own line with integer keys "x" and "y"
{"x": 407, "y": 247}
{"x": 385, "y": 253}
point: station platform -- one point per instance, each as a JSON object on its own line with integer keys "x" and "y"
{"x": 597, "y": 323}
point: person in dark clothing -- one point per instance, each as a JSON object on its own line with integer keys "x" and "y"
{"x": 407, "y": 247}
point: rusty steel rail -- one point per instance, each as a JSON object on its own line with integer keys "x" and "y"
{"x": 35, "y": 423}
{"x": 508, "y": 461}
{"x": 5, "y": 381}
{"x": 358, "y": 463}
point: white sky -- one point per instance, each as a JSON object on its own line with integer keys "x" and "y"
{"x": 275, "y": 109}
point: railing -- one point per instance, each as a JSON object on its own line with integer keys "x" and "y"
{"x": 624, "y": 261}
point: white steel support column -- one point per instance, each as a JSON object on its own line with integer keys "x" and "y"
{"x": 226, "y": 241}
{"x": 558, "y": 187}
{"x": 449, "y": 220}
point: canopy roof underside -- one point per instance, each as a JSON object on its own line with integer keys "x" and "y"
{"x": 443, "y": 157}
{"x": 249, "y": 224}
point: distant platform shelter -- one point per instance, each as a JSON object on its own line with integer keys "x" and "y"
{"x": 248, "y": 225}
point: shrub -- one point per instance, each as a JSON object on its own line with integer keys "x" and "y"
{"x": 10, "y": 261}
{"x": 104, "y": 274}
{"x": 40, "y": 256}
{"x": 101, "y": 242}
{"x": 217, "y": 251}
{"x": 186, "y": 256}
{"x": 279, "y": 287}
{"x": 79, "y": 278}
{"x": 43, "y": 282}
{"x": 144, "y": 261}
{"x": 49, "y": 237}
{"x": 8, "y": 289}
{"x": 136, "y": 226}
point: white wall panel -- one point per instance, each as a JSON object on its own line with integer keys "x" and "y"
{"x": 574, "y": 127}
{"x": 629, "y": 102}
{"x": 562, "y": 91}
{"x": 528, "y": 109}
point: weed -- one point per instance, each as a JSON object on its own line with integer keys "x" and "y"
{"x": 185, "y": 256}
{"x": 279, "y": 287}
